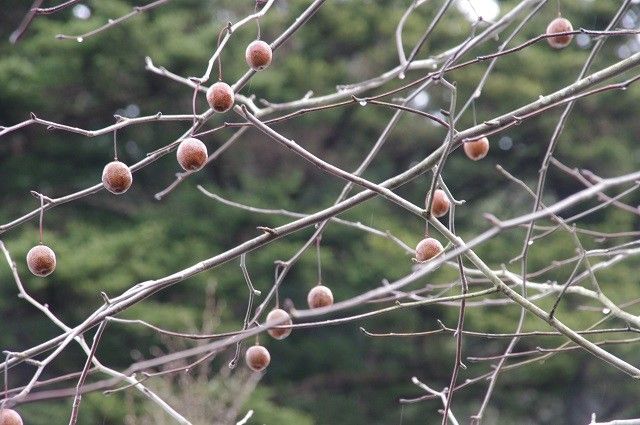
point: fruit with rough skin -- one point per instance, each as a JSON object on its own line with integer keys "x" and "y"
{"x": 319, "y": 296}
{"x": 476, "y": 149}
{"x": 220, "y": 97}
{"x": 257, "y": 358}
{"x": 440, "y": 203}
{"x": 10, "y": 417}
{"x": 116, "y": 177}
{"x": 279, "y": 315}
{"x": 427, "y": 249}
{"x": 192, "y": 154}
{"x": 41, "y": 260}
{"x": 559, "y": 25}
{"x": 258, "y": 55}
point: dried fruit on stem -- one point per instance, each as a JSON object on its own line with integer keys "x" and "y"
{"x": 41, "y": 260}
{"x": 476, "y": 149}
{"x": 440, "y": 203}
{"x": 258, "y": 55}
{"x": 10, "y": 417}
{"x": 427, "y": 249}
{"x": 559, "y": 25}
{"x": 117, "y": 177}
{"x": 257, "y": 358}
{"x": 220, "y": 97}
{"x": 320, "y": 296}
{"x": 279, "y": 315}
{"x": 192, "y": 154}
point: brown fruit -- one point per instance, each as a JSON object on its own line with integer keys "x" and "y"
{"x": 440, "y": 204}
{"x": 427, "y": 249}
{"x": 257, "y": 358}
{"x": 279, "y": 315}
{"x": 476, "y": 149}
{"x": 556, "y": 26}
{"x": 320, "y": 296}
{"x": 10, "y": 417}
{"x": 192, "y": 154}
{"x": 220, "y": 97}
{"x": 116, "y": 177}
{"x": 258, "y": 55}
{"x": 41, "y": 260}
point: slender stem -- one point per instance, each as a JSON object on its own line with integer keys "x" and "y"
{"x": 193, "y": 105}
{"x": 26, "y": 22}
{"x": 252, "y": 292}
{"x": 447, "y": 146}
{"x": 425, "y": 36}
{"x": 6, "y": 379}
{"x": 77, "y": 398}
{"x": 318, "y": 239}
{"x": 115, "y": 145}
{"x": 255, "y": 11}
{"x": 136, "y": 10}
{"x": 220, "y": 34}
{"x": 459, "y": 332}
{"x": 41, "y": 217}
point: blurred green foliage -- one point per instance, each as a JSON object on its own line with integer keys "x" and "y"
{"x": 333, "y": 375}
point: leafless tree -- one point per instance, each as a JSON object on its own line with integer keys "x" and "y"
{"x": 492, "y": 285}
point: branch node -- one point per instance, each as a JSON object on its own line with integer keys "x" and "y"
{"x": 493, "y": 220}
{"x": 268, "y": 230}
{"x": 105, "y": 298}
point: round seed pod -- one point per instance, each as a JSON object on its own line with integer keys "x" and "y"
{"x": 220, "y": 97}
{"x": 258, "y": 55}
{"x": 476, "y": 149}
{"x": 257, "y": 358}
{"x": 279, "y": 315}
{"x": 427, "y": 249}
{"x": 10, "y": 417}
{"x": 319, "y": 296}
{"x": 440, "y": 204}
{"x": 41, "y": 260}
{"x": 192, "y": 154}
{"x": 559, "y": 25}
{"x": 116, "y": 177}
